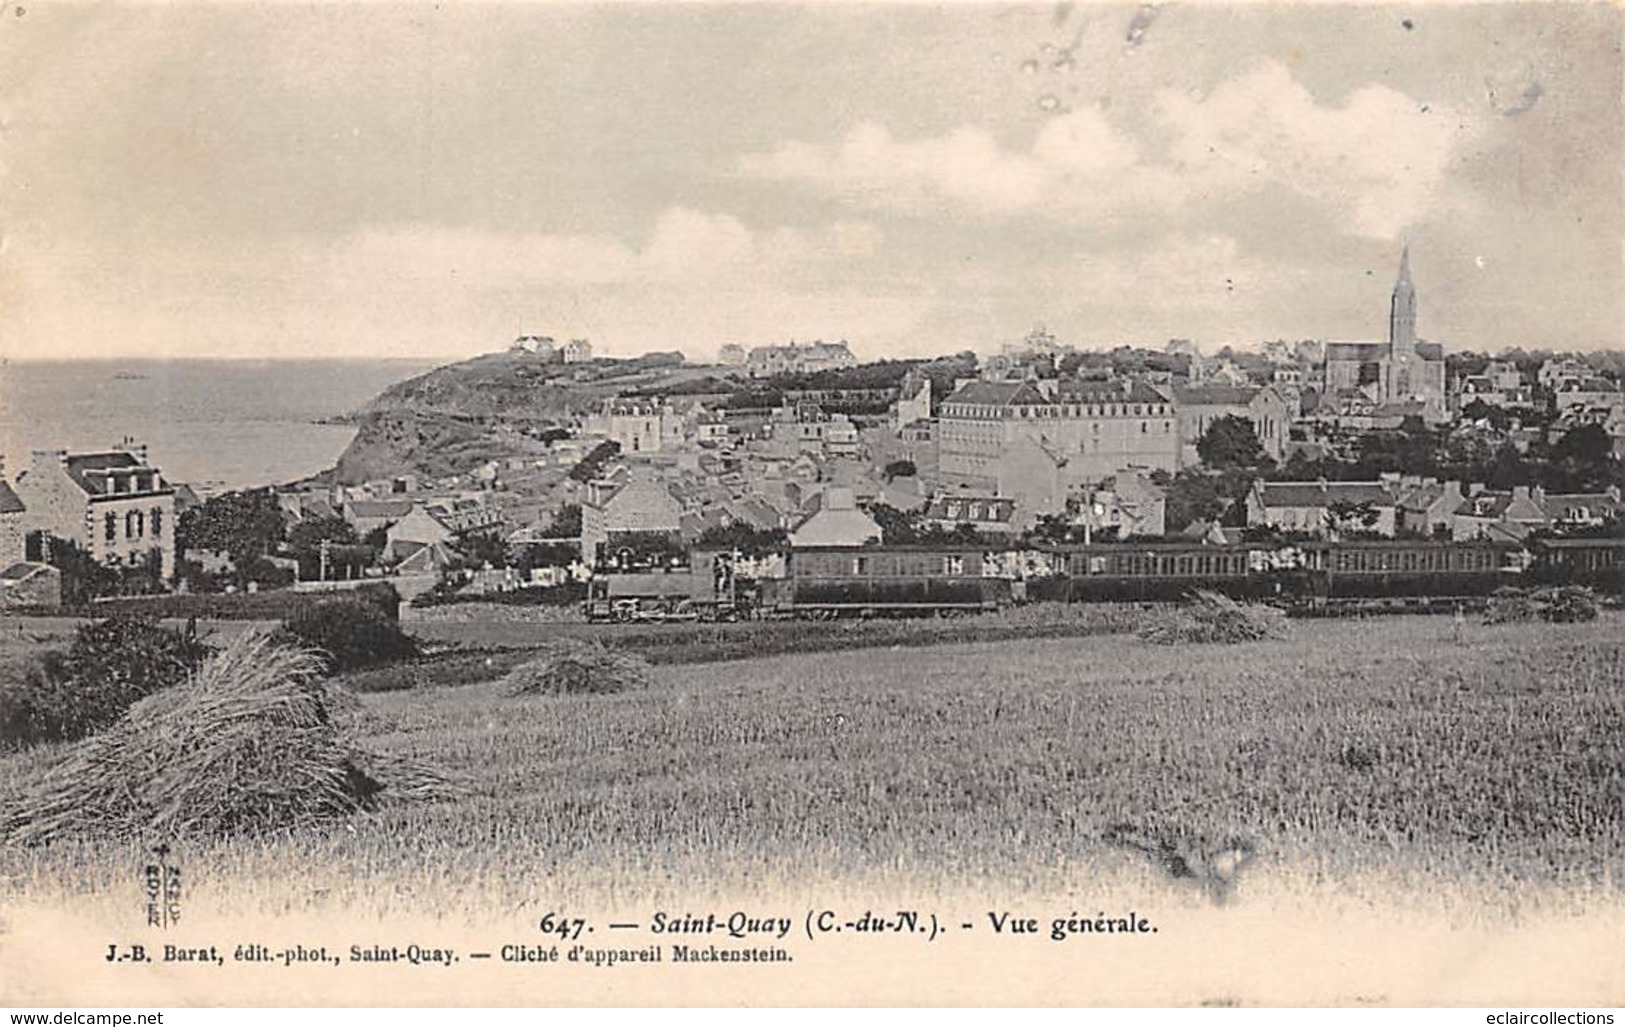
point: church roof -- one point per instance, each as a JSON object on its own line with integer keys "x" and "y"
{"x": 1369, "y": 352}
{"x": 1363, "y": 352}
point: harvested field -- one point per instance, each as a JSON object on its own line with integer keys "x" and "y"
{"x": 1383, "y": 787}
{"x": 1363, "y": 744}
{"x": 255, "y": 742}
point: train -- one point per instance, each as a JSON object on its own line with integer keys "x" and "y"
{"x": 1306, "y": 577}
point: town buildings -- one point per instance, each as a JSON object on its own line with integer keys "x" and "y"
{"x": 837, "y": 522}
{"x": 1402, "y": 370}
{"x": 640, "y": 504}
{"x": 798, "y": 358}
{"x": 1199, "y": 406}
{"x": 1324, "y": 507}
{"x": 114, "y": 504}
{"x": 13, "y": 521}
{"x": 1085, "y": 430}
{"x": 638, "y": 425}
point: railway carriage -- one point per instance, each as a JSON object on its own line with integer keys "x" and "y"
{"x": 1411, "y": 573}
{"x": 829, "y": 582}
{"x": 947, "y": 578}
{"x": 1166, "y": 571}
{"x": 1598, "y": 562}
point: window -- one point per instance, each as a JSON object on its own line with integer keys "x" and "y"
{"x": 132, "y": 524}
{"x": 156, "y": 521}
{"x": 860, "y": 565}
{"x": 953, "y": 565}
{"x": 110, "y": 527}
{"x": 1143, "y": 428}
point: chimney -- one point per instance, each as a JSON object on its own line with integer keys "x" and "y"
{"x": 136, "y": 449}
{"x": 1520, "y": 492}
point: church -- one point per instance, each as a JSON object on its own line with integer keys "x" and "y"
{"x": 1401, "y": 376}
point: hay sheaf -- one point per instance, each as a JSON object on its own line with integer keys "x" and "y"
{"x": 1564, "y": 604}
{"x": 575, "y": 667}
{"x": 256, "y": 741}
{"x": 1215, "y": 617}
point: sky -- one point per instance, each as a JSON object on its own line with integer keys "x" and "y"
{"x": 374, "y": 180}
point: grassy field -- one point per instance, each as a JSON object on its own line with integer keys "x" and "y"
{"x": 1356, "y": 745}
{"x": 1396, "y": 764}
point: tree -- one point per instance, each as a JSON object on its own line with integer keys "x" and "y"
{"x": 897, "y": 528}
{"x": 1478, "y": 410}
{"x": 744, "y": 538}
{"x": 592, "y": 465}
{"x": 1230, "y": 442}
{"x": 309, "y": 534}
{"x": 1192, "y": 496}
{"x": 1587, "y": 444}
{"x": 566, "y": 523}
{"x": 244, "y": 525}
{"x": 83, "y": 577}
{"x": 900, "y": 469}
{"x": 1583, "y": 460}
{"x": 1351, "y": 518}
{"x": 1413, "y": 448}
{"x": 481, "y": 549}
{"x": 1510, "y": 469}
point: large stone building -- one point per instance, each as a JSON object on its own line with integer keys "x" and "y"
{"x": 642, "y": 505}
{"x": 115, "y": 505}
{"x": 1089, "y": 430}
{"x": 1402, "y": 370}
{"x": 637, "y": 426}
{"x": 1200, "y": 405}
{"x": 799, "y": 358}
{"x": 13, "y": 521}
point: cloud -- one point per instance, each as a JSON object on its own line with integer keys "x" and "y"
{"x": 1378, "y": 162}
{"x": 966, "y": 167}
{"x": 692, "y": 278}
{"x": 683, "y": 246}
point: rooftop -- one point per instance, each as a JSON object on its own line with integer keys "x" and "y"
{"x": 1323, "y": 493}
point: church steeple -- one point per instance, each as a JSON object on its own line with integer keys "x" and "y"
{"x": 1402, "y": 312}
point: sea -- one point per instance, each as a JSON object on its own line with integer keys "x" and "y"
{"x": 213, "y": 424}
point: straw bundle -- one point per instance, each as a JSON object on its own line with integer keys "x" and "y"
{"x": 1564, "y": 604}
{"x": 254, "y": 742}
{"x": 1215, "y": 617}
{"x": 572, "y": 667}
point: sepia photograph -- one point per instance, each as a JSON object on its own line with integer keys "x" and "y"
{"x": 769, "y": 504}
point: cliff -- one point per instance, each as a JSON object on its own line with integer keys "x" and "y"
{"x": 455, "y": 418}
